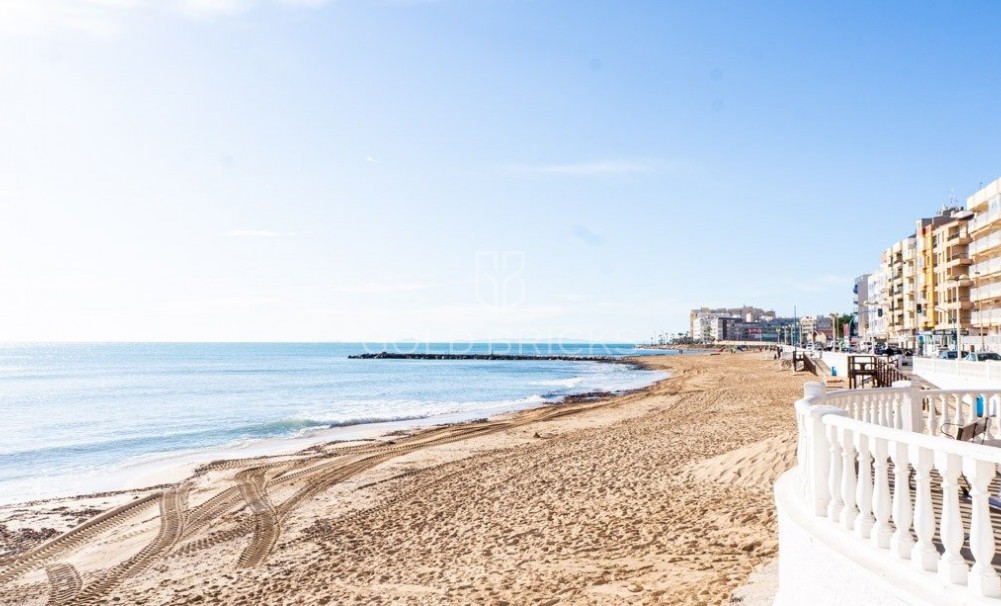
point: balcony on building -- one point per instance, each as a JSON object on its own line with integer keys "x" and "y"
{"x": 987, "y": 267}
{"x": 958, "y": 261}
{"x": 986, "y": 245}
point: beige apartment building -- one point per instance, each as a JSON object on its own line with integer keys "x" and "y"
{"x": 985, "y": 249}
{"x": 947, "y": 277}
{"x": 926, "y": 292}
{"x": 900, "y": 312}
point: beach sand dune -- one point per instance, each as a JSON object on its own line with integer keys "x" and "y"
{"x": 657, "y": 497}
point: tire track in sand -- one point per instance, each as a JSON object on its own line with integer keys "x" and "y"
{"x": 253, "y": 486}
{"x": 64, "y": 583}
{"x": 171, "y": 516}
{"x": 45, "y": 553}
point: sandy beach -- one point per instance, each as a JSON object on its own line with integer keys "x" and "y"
{"x": 661, "y": 496}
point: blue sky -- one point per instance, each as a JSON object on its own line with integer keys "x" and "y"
{"x": 478, "y": 169}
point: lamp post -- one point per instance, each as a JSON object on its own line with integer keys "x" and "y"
{"x": 958, "y": 280}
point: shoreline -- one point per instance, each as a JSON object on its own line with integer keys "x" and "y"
{"x": 673, "y": 477}
{"x": 158, "y": 470}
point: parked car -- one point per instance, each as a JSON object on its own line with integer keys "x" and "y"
{"x": 948, "y": 354}
{"x": 982, "y": 356}
{"x": 896, "y": 351}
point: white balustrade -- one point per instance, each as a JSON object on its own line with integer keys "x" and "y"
{"x": 847, "y": 442}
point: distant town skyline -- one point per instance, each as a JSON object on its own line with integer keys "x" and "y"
{"x": 302, "y": 170}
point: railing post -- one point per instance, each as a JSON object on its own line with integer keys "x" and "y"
{"x": 834, "y": 472}
{"x": 818, "y": 451}
{"x": 924, "y": 555}
{"x": 813, "y": 389}
{"x": 983, "y": 579}
{"x": 849, "y": 487}
{"x": 910, "y": 406}
{"x": 881, "y": 531}
{"x": 863, "y": 496}
{"x": 902, "y": 541}
{"x": 952, "y": 567}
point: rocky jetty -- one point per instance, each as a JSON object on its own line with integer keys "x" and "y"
{"x": 385, "y": 355}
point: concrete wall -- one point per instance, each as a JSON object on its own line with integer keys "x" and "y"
{"x": 821, "y": 564}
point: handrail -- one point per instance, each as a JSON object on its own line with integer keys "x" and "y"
{"x": 847, "y": 443}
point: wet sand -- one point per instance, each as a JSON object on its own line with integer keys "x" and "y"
{"x": 662, "y": 496}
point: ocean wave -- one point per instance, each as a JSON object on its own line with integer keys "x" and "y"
{"x": 565, "y": 383}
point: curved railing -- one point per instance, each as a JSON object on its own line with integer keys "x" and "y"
{"x": 874, "y": 463}
{"x": 924, "y": 411}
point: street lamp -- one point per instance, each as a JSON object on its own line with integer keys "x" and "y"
{"x": 958, "y": 280}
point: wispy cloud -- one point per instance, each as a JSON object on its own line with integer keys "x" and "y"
{"x": 306, "y": 3}
{"x": 26, "y": 18}
{"x": 212, "y": 8}
{"x": 586, "y": 236}
{"x": 371, "y": 288}
{"x": 584, "y": 169}
{"x": 259, "y": 233}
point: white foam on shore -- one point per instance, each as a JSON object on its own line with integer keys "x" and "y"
{"x": 173, "y": 467}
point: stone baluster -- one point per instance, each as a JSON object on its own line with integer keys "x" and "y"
{"x": 923, "y": 554}
{"x": 884, "y": 411}
{"x": 994, "y": 429}
{"x": 896, "y": 406}
{"x": 957, "y": 415}
{"x": 818, "y": 449}
{"x": 881, "y": 529}
{"x": 902, "y": 541}
{"x": 849, "y": 486}
{"x": 952, "y": 568}
{"x": 909, "y": 414}
{"x": 834, "y": 472}
{"x": 863, "y": 495}
{"x": 801, "y": 450}
{"x": 931, "y": 426}
{"x": 983, "y": 579}
{"x": 932, "y": 415}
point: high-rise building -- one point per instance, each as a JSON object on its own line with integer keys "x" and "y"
{"x": 942, "y": 258}
{"x": 899, "y": 322}
{"x": 925, "y": 294}
{"x": 876, "y": 308}
{"x": 860, "y": 302}
{"x": 985, "y": 229}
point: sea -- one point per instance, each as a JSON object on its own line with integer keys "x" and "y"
{"x": 79, "y": 418}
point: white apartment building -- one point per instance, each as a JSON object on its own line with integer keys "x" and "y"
{"x": 985, "y": 273}
{"x": 875, "y": 309}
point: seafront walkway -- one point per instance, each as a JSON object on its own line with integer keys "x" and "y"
{"x": 883, "y": 507}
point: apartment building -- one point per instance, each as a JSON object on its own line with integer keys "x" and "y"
{"x": 925, "y": 293}
{"x": 949, "y": 304}
{"x": 816, "y": 329}
{"x": 985, "y": 272}
{"x": 876, "y": 307}
{"x": 941, "y": 292}
{"x": 860, "y": 302}
{"x": 739, "y": 324}
{"x": 900, "y": 311}
{"x": 702, "y": 321}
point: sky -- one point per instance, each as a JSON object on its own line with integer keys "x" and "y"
{"x": 452, "y": 170}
